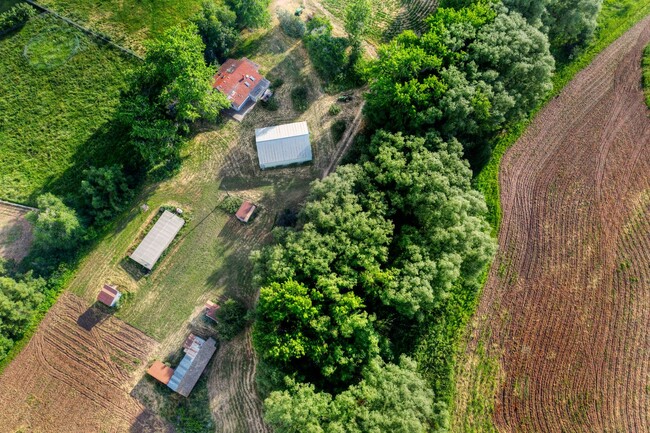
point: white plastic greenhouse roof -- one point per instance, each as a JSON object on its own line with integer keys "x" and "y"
{"x": 158, "y": 239}
{"x": 283, "y": 144}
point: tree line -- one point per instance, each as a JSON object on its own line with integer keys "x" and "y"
{"x": 388, "y": 252}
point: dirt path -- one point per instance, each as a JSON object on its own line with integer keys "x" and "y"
{"x": 567, "y": 304}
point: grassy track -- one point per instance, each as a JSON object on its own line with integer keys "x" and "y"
{"x": 129, "y": 22}
{"x": 54, "y": 107}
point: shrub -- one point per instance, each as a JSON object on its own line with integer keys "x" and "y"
{"x": 299, "y": 97}
{"x": 16, "y": 16}
{"x": 231, "y": 319}
{"x": 230, "y": 204}
{"x": 271, "y": 104}
{"x": 104, "y": 192}
{"x": 338, "y": 129}
{"x": 56, "y": 226}
{"x": 291, "y": 25}
{"x": 335, "y": 109}
{"x": 276, "y": 82}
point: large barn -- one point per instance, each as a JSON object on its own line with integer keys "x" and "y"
{"x": 283, "y": 145}
{"x": 158, "y": 239}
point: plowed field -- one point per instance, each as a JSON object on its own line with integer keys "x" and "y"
{"x": 566, "y": 309}
{"x": 74, "y": 375}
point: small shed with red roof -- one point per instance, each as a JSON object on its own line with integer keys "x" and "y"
{"x": 109, "y": 295}
{"x": 160, "y": 372}
{"x": 245, "y": 211}
{"x": 241, "y": 82}
{"x": 211, "y": 310}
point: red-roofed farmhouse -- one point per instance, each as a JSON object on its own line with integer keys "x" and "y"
{"x": 241, "y": 82}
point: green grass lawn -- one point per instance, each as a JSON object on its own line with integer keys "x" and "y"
{"x": 59, "y": 89}
{"x": 129, "y": 22}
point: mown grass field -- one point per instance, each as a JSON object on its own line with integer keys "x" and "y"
{"x": 56, "y": 101}
{"x": 129, "y": 22}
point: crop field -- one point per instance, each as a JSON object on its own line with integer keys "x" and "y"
{"x": 566, "y": 308}
{"x": 76, "y": 374}
{"x": 15, "y": 232}
{"x": 128, "y": 22}
{"x": 59, "y": 90}
{"x": 390, "y": 17}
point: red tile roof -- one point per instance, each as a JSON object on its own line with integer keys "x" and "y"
{"x": 107, "y": 295}
{"x": 232, "y": 81}
{"x": 245, "y": 211}
{"x": 211, "y": 310}
{"x": 160, "y": 372}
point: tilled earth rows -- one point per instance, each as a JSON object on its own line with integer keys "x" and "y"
{"x": 567, "y": 304}
{"x": 73, "y": 375}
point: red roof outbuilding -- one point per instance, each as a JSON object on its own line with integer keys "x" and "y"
{"x": 160, "y": 372}
{"x": 245, "y": 211}
{"x": 109, "y": 295}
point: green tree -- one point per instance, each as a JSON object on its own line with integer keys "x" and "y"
{"x": 570, "y": 23}
{"x": 56, "y": 226}
{"x": 358, "y": 15}
{"x": 251, "y": 14}
{"x": 327, "y": 52}
{"x": 18, "y": 301}
{"x": 104, "y": 192}
{"x": 443, "y": 235}
{"x": 323, "y": 333}
{"x": 216, "y": 24}
{"x": 389, "y": 398}
{"x": 291, "y": 25}
{"x": 475, "y": 69}
{"x": 172, "y": 89}
{"x": 231, "y": 319}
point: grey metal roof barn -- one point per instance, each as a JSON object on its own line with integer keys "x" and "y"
{"x": 158, "y": 239}
{"x": 283, "y": 145}
{"x": 197, "y": 355}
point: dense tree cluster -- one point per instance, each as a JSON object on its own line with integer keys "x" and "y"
{"x": 104, "y": 193}
{"x": 18, "y": 301}
{"x": 172, "y": 89}
{"x": 251, "y": 13}
{"x": 389, "y": 398}
{"x": 473, "y": 71}
{"x": 217, "y": 25}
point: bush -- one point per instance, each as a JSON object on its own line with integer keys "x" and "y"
{"x": 16, "y": 16}
{"x": 231, "y": 319}
{"x": 56, "y": 226}
{"x": 299, "y": 97}
{"x": 276, "y": 82}
{"x": 338, "y": 129}
{"x": 104, "y": 192}
{"x": 291, "y": 25}
{"x": 271, "y": 104}
{"x": 230, "y": 204}
{"x": 335, "y": 109}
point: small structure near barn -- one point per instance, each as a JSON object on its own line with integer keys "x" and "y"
{"x": 158, "y": 239}
{"x": 109, "y": 295}
{"x": 160, "y": 372}
{"x": 283, "y": 145}
{"x": 197, "y": 355}
{"x": 245, "y": 211}
{"x": 242, "y": 83}
{"x": 211, "y": 310}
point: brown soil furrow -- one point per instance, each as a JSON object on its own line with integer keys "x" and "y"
{"x": 67, "y": 378}
{"x": 568, "y": 300}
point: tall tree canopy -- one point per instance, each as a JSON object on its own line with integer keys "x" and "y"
{"x": 251, "y": 13}
{"x": 18, "y": 301}
{"x": 169, "y": 91}
{"x": 56, "y": 226}
{"x": 216, "y": 24}
{"x": 473, "y": 70}
{"x": 389, "y": 398}
{"x": 104, "y": 192}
